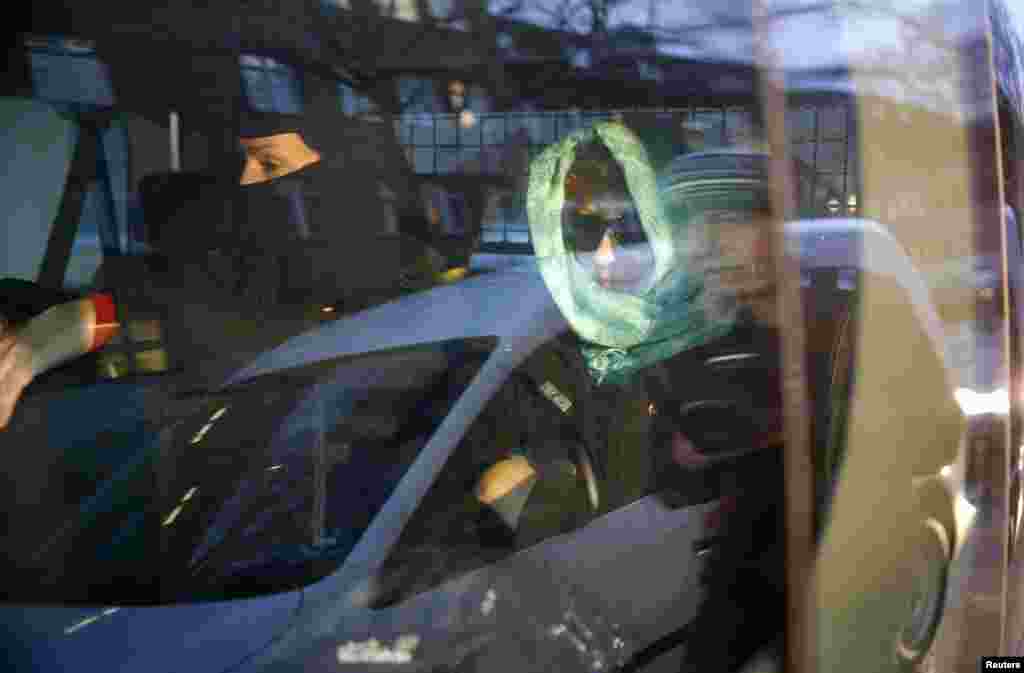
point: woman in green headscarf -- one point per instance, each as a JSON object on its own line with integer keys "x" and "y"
{"x": 644, "y": 302}
{"x": 648, "y": 305}
{"x": 636, "y": 294}
{"x": 654, "y": 300}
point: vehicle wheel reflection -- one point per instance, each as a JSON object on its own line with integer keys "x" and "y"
{"x": 928, "y": 566}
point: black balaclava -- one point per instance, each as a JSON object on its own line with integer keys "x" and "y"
{"x": 178, "y": 205}
{"x": 278, "y": 208}
{"x": 254, "y": 124}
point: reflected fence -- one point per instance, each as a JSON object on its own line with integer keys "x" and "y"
{"x": 496, "y": 149}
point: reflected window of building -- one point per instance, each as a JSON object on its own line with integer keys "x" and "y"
{"x": 442, "y": 9}
{"x": 445, "y": 137}
{"x": 800, "y": 124}
{"x": 579, "y": 57}
{"x": 355, "y": 103}
{"x": 739, "y": 127}
{"x": 271, "y": 86}
{"x": 833, "y": 123}
{"x": 504, "y": 219}
{"x": 824, "y": 144}
{"x": 649, "y": 70}
{"x": 66, "y": 70}
{"x": 87, "y": 249}
{"x": 464, "y": 136}
{"x": 419, "y": 95}
{"x": 389, "y": 198}
{"x": 416, "y": 134}
{"x": 711, "y": 123}
{"x": 69, "y": 74}
{"x": 478, "y": 99}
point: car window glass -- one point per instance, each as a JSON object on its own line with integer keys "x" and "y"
{"x": 68, "y": 71}
{"x": 549, "y": 454}
{"x": 42, "y": 142}
{"x": 280, "y": 519}
{"x": 695, "y": 235}
{"x": 108, "y": 221}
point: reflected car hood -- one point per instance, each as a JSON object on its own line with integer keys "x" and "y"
{"x": 509, "y": 303}
{"x": 480, "y": 306}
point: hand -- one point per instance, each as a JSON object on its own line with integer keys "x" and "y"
{"x": 16, "y": 370}
{"x": 685, "y": 454}
{"x": 59, "y": 334}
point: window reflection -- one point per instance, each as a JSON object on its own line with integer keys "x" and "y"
{"x": 65, "y": 70}
{"x": 418, "y": 95}
{"x": 355, "y": 103}
{"x": 271, "y": 86}
{"x": 460, "y": 149}
{"x": 441, "y": 143}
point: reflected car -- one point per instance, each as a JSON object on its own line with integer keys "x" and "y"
{"x": 317, "y": 509}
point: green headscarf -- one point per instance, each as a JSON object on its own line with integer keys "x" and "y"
{"x": 624, "y": 332}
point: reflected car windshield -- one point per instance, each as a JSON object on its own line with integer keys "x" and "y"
{"x": 263, "y": 488}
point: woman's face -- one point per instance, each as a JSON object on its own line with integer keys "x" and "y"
{"x": 603, "y": 231}
{"x": 615, "y": 252}
{"x": 275, "y": 156}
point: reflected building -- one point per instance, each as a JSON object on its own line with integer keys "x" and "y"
{"x": 563, "y": 81}
{"x": 457, "y": 108}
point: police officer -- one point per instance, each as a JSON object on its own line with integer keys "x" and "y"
{"x": 287, "y": 192}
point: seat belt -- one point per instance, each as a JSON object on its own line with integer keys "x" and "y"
{"x": 65, "y": 225}
{"x": 588, "y": 411}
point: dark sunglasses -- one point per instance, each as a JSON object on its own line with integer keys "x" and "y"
{"x": 583, "y": 234}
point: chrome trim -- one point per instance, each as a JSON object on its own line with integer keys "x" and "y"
{"x": 730, "y": 358}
